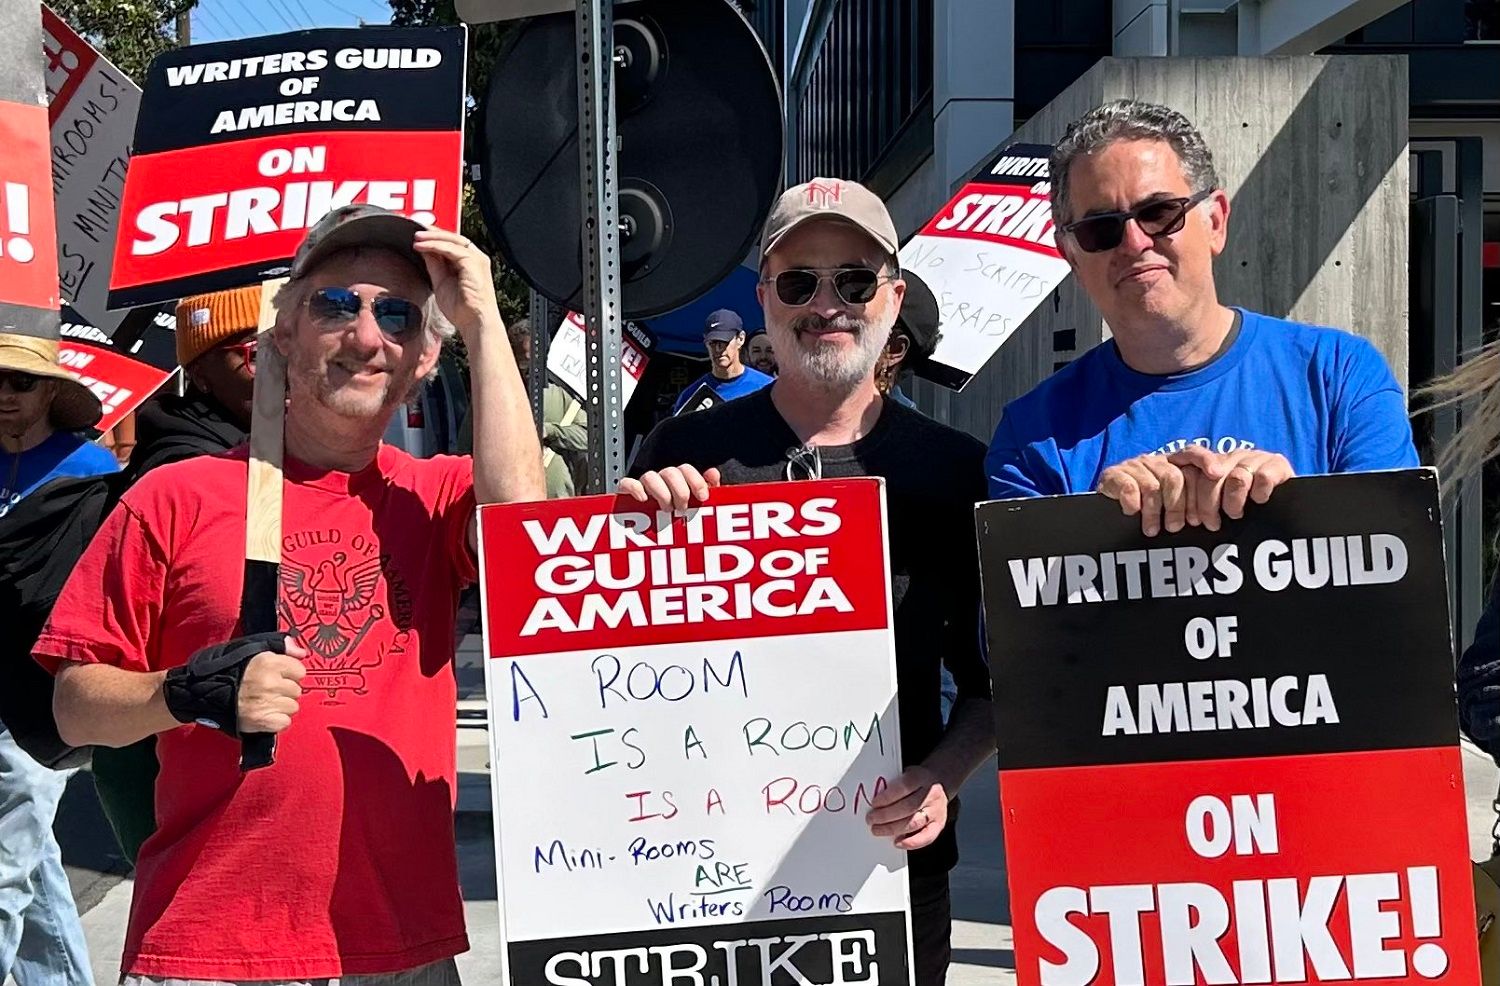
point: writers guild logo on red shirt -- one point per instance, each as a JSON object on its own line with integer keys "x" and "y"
{"x": 332, "y": 604}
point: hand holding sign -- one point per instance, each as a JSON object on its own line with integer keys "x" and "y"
{"x": 913, "y": 810}
{"x": 1227, "y": 481}
{"x": 673, "y": 488}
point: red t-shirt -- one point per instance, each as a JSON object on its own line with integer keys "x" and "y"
{"x": 339, "y": 859}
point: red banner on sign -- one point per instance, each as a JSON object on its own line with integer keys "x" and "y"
{"x": 1305, "y": 869}
{"x": 122, "y": 384}
{"x": 1011, "y": 215}
{"x": 219, "y": 206}
{"x": 68, "y": 60}
{"x": 759, "y": 561}
{"x": 28, "y": 233}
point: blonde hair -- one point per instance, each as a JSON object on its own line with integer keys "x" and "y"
{"x": 1478, "y": 440}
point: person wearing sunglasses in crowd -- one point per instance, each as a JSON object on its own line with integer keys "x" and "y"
{"x": 831, "y": 291}
{"x": 338, "y": 860}
{"x": 1192, "y": 408}
{"x": 727, "y": 376}
{"x": 42, "y": 408}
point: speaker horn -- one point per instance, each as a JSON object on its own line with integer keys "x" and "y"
{"x": 700, "y": 146}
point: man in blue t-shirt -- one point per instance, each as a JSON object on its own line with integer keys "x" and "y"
{"x": 728, "y": 376}
{"x": 41, "y": 937}
{"x": 1192, "y": 408}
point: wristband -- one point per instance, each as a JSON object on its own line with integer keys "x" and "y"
{"x": 206, "y": 690}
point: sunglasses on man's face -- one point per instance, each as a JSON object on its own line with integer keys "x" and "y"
{"x": 20, "y": 383}
{"x": 853, "y": 285}
{"x": 1158, "y": 218}
{"x": 398, "y": 318}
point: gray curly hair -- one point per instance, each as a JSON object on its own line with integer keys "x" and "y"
{"x": 1129, "y": 119}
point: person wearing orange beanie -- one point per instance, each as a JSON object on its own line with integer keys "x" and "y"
{"x": 216, "y": 349}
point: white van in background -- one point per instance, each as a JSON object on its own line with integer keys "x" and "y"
{"x": 428, "y": 424}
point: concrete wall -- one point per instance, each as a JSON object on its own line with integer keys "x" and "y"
{"x": 1313, "y": 153}
{"x": 1248, "y": 27}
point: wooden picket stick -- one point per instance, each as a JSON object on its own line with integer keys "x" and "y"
{"x": 263, "y": 505}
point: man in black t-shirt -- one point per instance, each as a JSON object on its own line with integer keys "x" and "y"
{"x": 831, "y": 290}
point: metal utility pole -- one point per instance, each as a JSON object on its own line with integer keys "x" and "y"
{"x": 544, "y": 319}
{"x": 594, "y": 24}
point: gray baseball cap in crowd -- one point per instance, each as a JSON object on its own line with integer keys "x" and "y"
{"x": 830, "y": 198}
{"x": 358, "y": 226}
{"x": 722, "y": 325}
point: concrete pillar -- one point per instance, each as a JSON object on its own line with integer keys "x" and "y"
{"x": 974, "y": 84}
{"x": 1141, "y": 27}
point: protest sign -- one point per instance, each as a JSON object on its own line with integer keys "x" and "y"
{"x": 92, "y": 108}
{"x": 567, "y": 356}
{"x": 1231, "y": 757}
{"x": 241, "y": 147}
{"x": 690, "y": 717}
{"x": 28, "y": 236}
{"x": 990, "y": 258}
{"x": 122, "y": 381}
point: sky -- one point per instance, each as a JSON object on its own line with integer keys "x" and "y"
{"x": 223, "y": 20}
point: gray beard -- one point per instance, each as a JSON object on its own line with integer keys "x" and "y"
{"x": 831, "y": 367}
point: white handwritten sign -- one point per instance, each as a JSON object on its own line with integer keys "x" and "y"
{"x": 990, "y": 258}
{"x": 689, "y": 719}
{"x": 567, "y": 356}
{"x": 92, "y": 110}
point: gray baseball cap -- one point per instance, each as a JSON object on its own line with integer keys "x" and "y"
{"x": 830, "y": 198}
{"x": 358, "y": 226}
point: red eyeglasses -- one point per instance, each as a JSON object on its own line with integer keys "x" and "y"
{"x": 246, "y": 350}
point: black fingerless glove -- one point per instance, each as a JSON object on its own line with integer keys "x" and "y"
{"x": 206, "y": 689}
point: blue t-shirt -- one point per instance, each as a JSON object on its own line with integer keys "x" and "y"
{"x": 746, "y": 383}
{"x": 1323, "y": 398}
{"x": 60, "y": 455}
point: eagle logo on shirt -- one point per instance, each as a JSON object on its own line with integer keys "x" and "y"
{"x": 327, "y": 596}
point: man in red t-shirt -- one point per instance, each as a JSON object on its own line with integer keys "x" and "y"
{"x": 339, "y": 860}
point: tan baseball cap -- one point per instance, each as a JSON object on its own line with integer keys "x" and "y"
{"x": 830, "y": 198}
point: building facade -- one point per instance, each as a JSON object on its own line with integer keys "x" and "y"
{"x": 910, "y": 96}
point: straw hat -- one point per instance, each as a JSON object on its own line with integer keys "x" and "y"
{"x": 74, "y": 406}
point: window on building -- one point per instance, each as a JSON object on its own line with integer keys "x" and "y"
{"x": 1482, "y": 20}
{"x": 867, "y": 108}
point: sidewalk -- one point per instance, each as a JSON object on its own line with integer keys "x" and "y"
{"x": 982, "y": 945}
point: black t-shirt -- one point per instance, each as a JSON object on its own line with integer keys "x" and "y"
{"x": 933, "y": 477}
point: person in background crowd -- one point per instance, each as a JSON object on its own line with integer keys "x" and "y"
{"x": 376, "y": 546}
{"x": 914, "y": 337}
{"x": 1476, "y": 380}
{"x": 216, "y": 346}
{"x": 1192, "y": 408}
{"x": 761, "y": 355}
{"x": 565, "y": 424}
{"x": 831, "y": 289}
{"x": 728, "y": 377}
{"x": 120, "y": 440}
{"x": 41, "y": 937}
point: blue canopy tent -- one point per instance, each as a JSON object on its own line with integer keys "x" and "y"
{"x": 681, "y": 331}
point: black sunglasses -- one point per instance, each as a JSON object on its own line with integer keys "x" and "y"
{"x": 397, "y": 317}
{"x": 853, "y": 285}
{"x": 1106, "y": 230}
{"x": 21, "y": 383}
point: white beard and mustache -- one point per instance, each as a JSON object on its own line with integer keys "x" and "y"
{"x": 835, "y": 367}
